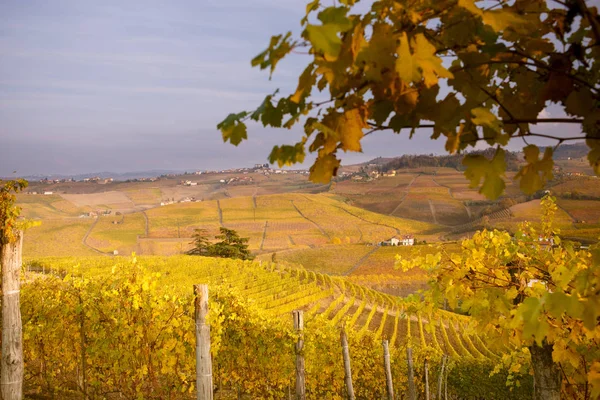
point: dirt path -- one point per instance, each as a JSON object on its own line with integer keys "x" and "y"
{"x": 361, "y": 261}
{"x": 468, "y": 210}
{"x": 432, "y": 208}
{"x": 311, "y": 221}
{"x": 405, "y": 194}
{"x": 147, "y": 223}
{"x": 220, "y": 213}
{"x": 264, "y": 235}
{"x": 370, "y": 222}
{"x": 84, "y": 240}
{"x": 573, "y": 219}
{"x": 399, "y": 204}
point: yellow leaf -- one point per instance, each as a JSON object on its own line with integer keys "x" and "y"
{"x": 471, "y": 7}
{"x": 431, "y": 65}
{"x": 324, "y": 168}
{"x": 501, "y": 20}
{"x": 350, "y": 129}
{"x": 405, "y": 66}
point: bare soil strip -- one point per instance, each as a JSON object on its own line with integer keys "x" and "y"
{"x": 361, "y": 261}
{"x": 220, "y": 213}
{"x": 311, "y": 221}
{"x": 264, "y": 235}
{"x": 84, "y": 240}
{"x": 432, "y": 208}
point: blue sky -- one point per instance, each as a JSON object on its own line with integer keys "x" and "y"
{"x": 136, "y": 85}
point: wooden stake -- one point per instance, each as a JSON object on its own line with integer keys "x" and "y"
{"x": 446, "y": 381}
{"x": 412, "y": 393}
{"x": 11, "y": 380}
{"x": 347, "y": 368}
{"x": 441, "y": 377}
{"x": 300, "y": 378}
{"x": 388, "y": 370}
{"x": 426, "y": 380}
{"x": 204, "y": 384}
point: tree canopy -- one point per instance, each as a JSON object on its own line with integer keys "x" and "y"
{"x": 230, "y": 245}
{"x": 534, "y": 294}
{"x": 467, "y": 71}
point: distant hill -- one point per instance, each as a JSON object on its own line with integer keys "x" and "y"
{"x": 576, "y": 150}
{"x": 123, "y": 176}
{"x": 443, "y": 161}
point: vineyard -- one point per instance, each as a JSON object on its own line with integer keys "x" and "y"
{"x": 133, "y": 320}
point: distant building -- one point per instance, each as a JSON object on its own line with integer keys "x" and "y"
{"x": 408, "y": 240}
{"x": 48, "y": 193}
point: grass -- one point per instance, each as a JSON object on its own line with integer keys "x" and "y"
{"x": 57, "y": 238}
{"x": 180, "y": 220}
{"x": 147, "y": 196}
{"x": 331, "y": 259}
{"x": 585, "y": 185}
{"x": 47, "y": 206}
{"x": 107, "y": 236}
{"x": 583, "y": 211}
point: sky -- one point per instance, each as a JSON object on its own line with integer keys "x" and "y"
{"x": 89, "y": 86}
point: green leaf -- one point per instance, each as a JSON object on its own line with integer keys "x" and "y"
{"x": 336, "y": 16}
{"x": 287, "y": 155}
{"x": 536, "y": 173}
{"x": 324, "y": 168}
{"x": 312, "y": 6}
{"x": 490, "y": 171}
{"x": 325, "y": 39}
{"x": 235, "y": 133}
{"x": 483, "y": 117}
{"x": 233, "y": 128}
{"x": 533, "y": 326}
{"x": 380, "y": 111}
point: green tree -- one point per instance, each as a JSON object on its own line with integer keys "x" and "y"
{"x": 202, "y": 245}
{"x": 466, "y": 72}
{"x": 539, "y": 299}
{"x": 229, "y": 245}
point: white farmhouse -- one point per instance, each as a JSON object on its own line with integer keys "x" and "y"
{"x": 408, "y": 240}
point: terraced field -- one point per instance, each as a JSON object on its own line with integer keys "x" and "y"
{"x": 273, "y": 223}
{"x": 279, "y": 289}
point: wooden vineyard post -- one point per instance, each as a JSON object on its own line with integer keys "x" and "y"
{"x": 347, "y": 368}
{"x": 426, "y": 380}
{"x": 412, "y": 393}
{"x": 204, "y": 384}
{"x": 11, "y": 380}
{"x": 300, "y": 379}
{"x": 388, "y": 370}
{"x": 441, "y": 377}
